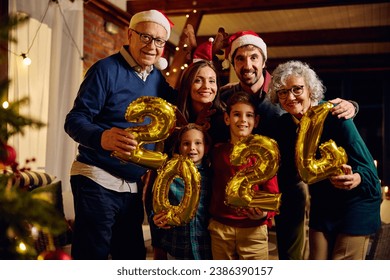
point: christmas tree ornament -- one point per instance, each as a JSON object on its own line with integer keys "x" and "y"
{"x": 7, "y": 155}
{"x": 57, "y": 254}
{"x": 52, "y": 253}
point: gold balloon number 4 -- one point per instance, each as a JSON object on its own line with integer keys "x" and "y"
{"x": 163, "y": 122}
{"x": 239, "y": 192}
{"x": 309, "y": 167}
{"x": 183, "y": 167}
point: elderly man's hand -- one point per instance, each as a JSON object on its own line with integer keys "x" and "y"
{"x": 118, "y": 140}
{"x": 343, "y": 108}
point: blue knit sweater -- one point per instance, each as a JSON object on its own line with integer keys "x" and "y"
{"x": 110, "y": 85}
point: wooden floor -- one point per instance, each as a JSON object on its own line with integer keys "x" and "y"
{"x": 273, "y": 252}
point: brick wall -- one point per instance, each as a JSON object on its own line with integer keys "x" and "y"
{"x": 97, "y": 42}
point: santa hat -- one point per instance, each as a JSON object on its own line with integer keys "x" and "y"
{"x": 243, "y": 38}
{"x": 152, "y": 16}
{"x": 204, "y": 51}
{"x": 156, "y": 17}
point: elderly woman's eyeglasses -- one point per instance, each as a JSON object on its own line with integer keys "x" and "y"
{"x": 295, "y": 90}
{"x": 146, "y": 39}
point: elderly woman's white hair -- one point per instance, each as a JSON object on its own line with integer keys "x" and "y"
{"x": 297, "y": 69}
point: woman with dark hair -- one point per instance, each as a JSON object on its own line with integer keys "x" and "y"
{"x": 198, "y": 98}
{"x": 197, "y": 102}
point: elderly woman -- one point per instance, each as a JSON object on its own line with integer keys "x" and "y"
{"x": 344, "y": 209}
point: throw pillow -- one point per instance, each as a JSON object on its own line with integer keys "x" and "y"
{"x": 32, "y": 179}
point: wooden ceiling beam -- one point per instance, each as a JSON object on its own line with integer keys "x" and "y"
{"x": 174, "y": 7}
{"x": 108, "y": 11}
{"x": 323, "y": 37}
{"x": 329, "y": 36}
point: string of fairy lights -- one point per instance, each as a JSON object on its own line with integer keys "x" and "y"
{"x": 185, "y": 45}
{"x": 24, "y": 55}
{"x": 27, "y": 60}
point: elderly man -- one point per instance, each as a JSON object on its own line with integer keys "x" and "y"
{"x": 107, "y": 192}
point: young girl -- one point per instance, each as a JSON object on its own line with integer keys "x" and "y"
{"x": 190, "y": 241}
{"x": 237, "y": 234}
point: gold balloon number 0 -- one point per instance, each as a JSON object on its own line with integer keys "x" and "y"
{"x": 239, "y": 191}
{"x": 309, "y": 167}
{"x": 183, "y": 167}
{"x": 163, "y": 122}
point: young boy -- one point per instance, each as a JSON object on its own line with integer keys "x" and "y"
{"x": 237, "y": 234}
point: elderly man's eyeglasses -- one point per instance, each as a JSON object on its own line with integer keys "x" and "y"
{"x": 146, "y": 39}
{"x": 295, "y": 90}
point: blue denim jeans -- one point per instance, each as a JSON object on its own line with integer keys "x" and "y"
{"x": 107, "y": 223}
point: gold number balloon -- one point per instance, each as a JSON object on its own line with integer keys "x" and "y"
{"x": 239, "y": 192}
{"x": 184, "y": 168}
{"x": 163, "y": 121}
{"x": 309, "y": 167}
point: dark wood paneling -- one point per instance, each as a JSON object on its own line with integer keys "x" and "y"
{"x": 171, "y": 7}
{"x": 343, "y": 63}
{"x": 324, "y": 36}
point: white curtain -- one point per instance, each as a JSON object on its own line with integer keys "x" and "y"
{"x": 53, "y": 38}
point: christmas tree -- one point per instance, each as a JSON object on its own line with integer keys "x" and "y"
{"x": 23, "y": 214}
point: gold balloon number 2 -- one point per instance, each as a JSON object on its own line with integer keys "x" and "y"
{"x": 309, "y": 167}
{"x": 163, "y": 122}
{"x": 239, "y": 192}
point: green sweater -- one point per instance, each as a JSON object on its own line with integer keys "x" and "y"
{"x": 356, "y": 211}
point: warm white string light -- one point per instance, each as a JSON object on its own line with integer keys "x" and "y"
{"x": 26, "y": 60}
{"x": 185, "y": 65}
{"x": 5, "y": 104}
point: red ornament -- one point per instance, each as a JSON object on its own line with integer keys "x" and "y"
{"x": 8, "y": 156}
{"x": 58, "y": 254}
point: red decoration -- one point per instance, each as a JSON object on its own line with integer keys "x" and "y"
{"x": 7, "y": 157}
{"x": 58, "y": 254}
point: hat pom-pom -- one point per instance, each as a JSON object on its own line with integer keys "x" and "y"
{"x": 161, "y": 64}
{"x": 225, "y": 64}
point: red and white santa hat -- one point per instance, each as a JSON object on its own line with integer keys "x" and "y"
{"x": 204, "y": 51}
{"x": 156, "y": 17}
{"x": 243, "y": 38}
{"x": 152, "y": 16}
